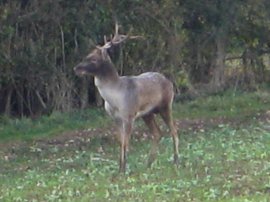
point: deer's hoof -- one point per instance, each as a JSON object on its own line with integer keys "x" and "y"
{"x": 176, "y": 160}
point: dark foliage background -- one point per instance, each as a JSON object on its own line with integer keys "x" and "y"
{"x": 203, "y": 46}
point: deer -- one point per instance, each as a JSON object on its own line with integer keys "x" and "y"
{"x": 127, "y": 98}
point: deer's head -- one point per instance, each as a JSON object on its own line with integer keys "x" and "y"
{"x": 96, "y": 61}
{"x": 91, "y": 64}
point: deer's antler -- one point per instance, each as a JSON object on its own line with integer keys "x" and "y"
{"x": 117, "y": 38}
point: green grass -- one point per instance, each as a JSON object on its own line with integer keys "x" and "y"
{"x": 27, "y": 129}
{"x": 240, "y": 105}
{"x": 222, "y": 163}
{"x": 227, "y": 105}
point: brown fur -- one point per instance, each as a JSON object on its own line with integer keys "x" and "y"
{"x": 128, "y": 98}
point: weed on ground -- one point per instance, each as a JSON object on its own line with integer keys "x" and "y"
{"x": 223, "y": 158}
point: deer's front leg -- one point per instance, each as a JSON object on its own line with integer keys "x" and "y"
{"x": 125, "y": 128}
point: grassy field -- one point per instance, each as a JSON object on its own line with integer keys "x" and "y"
{"x": 224, "y": 147}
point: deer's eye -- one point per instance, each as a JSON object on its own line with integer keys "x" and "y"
{"x": 87, "y": 60}
{"x": 91, "y": 60}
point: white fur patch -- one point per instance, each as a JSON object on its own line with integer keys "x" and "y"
{"x": 112, "y": 96}
{"x": 141, "y": 113}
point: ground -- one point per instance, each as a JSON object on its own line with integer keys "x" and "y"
{"x": 80, "y": 138}
{"x": 223, "y": 158}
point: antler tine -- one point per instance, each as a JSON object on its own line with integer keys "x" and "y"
{"x": 116, "y": 28}
{"x": 105, "y": 39}
{"x": 117, "y": 38}
{"x": 136, "y": 37}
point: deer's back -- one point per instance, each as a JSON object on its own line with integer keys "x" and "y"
{"x": 147, "y": 92}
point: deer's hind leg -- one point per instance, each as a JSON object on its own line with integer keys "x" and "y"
{"x": 149, "y": 120}
{"x": 166, "y": 114}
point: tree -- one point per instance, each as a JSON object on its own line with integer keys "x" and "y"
{"x": 189, "y": 41}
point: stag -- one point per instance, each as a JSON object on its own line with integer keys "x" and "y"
{"x": 127, "y": 98}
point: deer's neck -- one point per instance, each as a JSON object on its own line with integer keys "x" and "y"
{"x": 108, "y": 87}
{"x": 106, "y": 76}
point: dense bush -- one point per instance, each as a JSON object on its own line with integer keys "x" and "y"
{"x": 190, "y": 41}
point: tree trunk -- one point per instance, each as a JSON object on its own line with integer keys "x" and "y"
{"x": 218, "y": 77}
{"x": 84, "y": 93}
{"x": 8, "y": 101}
